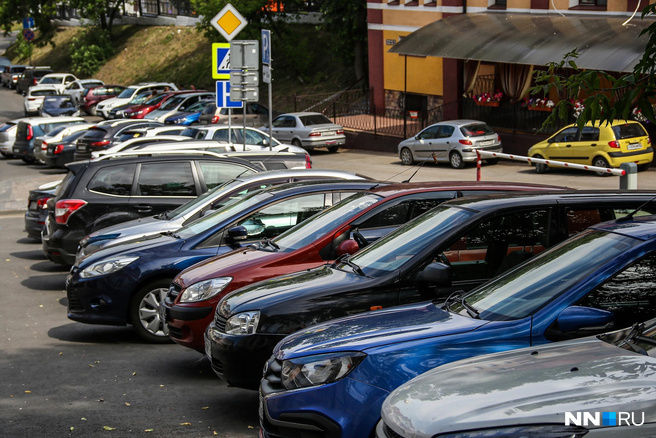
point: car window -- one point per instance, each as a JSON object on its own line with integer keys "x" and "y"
{"x": 113, "y": 180}
{"x": 52, "y": 80}
{"x": 315, "y": 119}
{"x": 255, "y": 108}
{"x": 166, "y": 179}
{"x": 629, "y": 294}
{"x": 476, "y": 130}
{"x": 172, "y": 103}
{"x": 254, "y": 137}
{"x": 72, "y": 137}
{"x": 127, "y": 93}
{"x": 589, "y": 133}
{"x": 278, "y": 123}
{"x": 216, "y": 173}
{"x": 289, "y": 122}
{"x": 279, "y": 217}
{"x": 446, "y": 131}
{"x": 497, "y": 244}
{"x": 567, "y": 134}
{"x": 428, "y": 133}
{"x": 222, "y": 135}
{"x": 630, "y": 130}
{"x": 402, "y": 212}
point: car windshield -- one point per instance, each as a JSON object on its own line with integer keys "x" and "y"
{"x": 224, "y": 213}
{"x": 317, "y": 226}
{"x": 172, "y": 103}
{"x": 476, "y": 130}
{"x": 139, "y": 99}
{"x": 127, "y": 93}
{"x": 203, "y": 199}
{"x": 640, "y": 338}
{"x": 315, "y": 119}
{"x": 523, "y": 291}
{"x": 52, "y": 80}
{"x": 394, "y": 250}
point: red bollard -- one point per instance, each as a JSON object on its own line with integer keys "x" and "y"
{"x": 478, "y": 165}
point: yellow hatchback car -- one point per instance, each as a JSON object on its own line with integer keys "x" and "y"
{"x": 601, "y": 145}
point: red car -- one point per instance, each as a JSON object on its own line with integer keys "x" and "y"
{"x": 98, "y": 94}
{"x": 189, "y": 306}
{"x": 153, "y": 103}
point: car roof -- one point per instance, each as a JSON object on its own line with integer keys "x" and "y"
{"x": 37, "y": 120}
{"x": 302, "y": 113}
{"x": 156, "y": 157}
{"x": 395, "y": 188}
{"x": 295, "y": 173}
{"x": 640, "y": 227}
{"x": 290, "y": 188}
{"x": 459, "y": 122}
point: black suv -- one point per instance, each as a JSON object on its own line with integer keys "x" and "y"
{"x": 110, "y": 190}
{"x": 104, "y": 135}
{"x": 31, "y": 75}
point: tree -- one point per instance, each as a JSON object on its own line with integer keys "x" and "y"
{"x": 101, "y": 12}
{"x": 347, "y": 20}
{"x": 12, "y": 11}
{"x": 607, "y": 97}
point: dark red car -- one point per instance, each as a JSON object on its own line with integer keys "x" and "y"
{"x": 191, "y": 301}
{"x": 98, "y": 94}
{"x": 153, "y": 103}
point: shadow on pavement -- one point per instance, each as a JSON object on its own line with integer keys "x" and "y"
{"x": 36, "y": 254}
{"x": 46, "y": 282}
{"x": 95, "y": 334}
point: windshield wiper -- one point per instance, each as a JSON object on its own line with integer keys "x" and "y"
{"x": 266, "y": 242}
{"x": 162, "y": 215}
{"x": 346, "y": 259}
{"x": 471, "y": 310}
{"x": 457, "y": 296}
{"x": 171, "y": 234}
{"x": 636, "y": 333}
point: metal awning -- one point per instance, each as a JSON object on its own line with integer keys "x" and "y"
{"x": 532, "y": 39}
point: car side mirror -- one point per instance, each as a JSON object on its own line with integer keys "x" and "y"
{"x": 236, "y": 235}
{"x": 349, "y": 246}
{"x": 265, "y": 142}
{"x": 575, "y": 318}
{"x": 435, "y": 274}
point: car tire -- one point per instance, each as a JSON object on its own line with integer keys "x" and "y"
{"x": 600, "y": 162}
{"x": 144, "y": 312}
{"x": 28, "y": 160}
{"x": 333, "y": 149}
{"x": 4, "y": 154}
{"x": 297, "y": 142}
{"x": 92, "y": 110}
{"x": 540, "y": 168}
{"x": 643, "y": 167}
{"x": 456, "y": 161}
{"x": 406, "y": 157}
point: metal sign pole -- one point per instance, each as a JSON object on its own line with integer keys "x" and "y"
{"x": 270, "y": 116}
{"x": 230, "y": 126}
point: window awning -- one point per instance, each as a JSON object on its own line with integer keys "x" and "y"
{"x": 532, "y": 39}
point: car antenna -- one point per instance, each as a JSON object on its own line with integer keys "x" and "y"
{"x": 629, "y": 216}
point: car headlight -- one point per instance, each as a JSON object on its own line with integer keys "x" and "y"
{"x": 543, "y": 431}
{"x": 182, "y": 120}
{"x": 105, "y": 267}
{"x": 242, "y": 324}
{"x": 318, "y": 370}
{"x": 204, "y": 289}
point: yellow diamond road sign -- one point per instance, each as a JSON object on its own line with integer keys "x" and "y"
{"x": 229, "y": 22}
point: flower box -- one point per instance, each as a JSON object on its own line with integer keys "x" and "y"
{"x": 539, "y": 108}
{"x": 492, "y": 103}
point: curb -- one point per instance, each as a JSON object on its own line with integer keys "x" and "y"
{"x": 12, "y": 212}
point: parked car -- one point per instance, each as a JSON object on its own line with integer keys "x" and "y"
{"x": 454, "y": 142}
{"x": 56, "y": 135}
{"x": 97, "y": 290}
{"x": 605, "y": 145}
{"x": 254, "y": 137}
{"x": 307, "y": 130}
{"x": 30, "y": 77}
{"x": 103, "y": 136}
{"x": 343, "y": 229}
{"x": 140, "y": 105}
{"x": 256, "y": 115}
{"x": 531, "y": 391}
{"x": 58, "y": 106}
{"x": 11, "y": 74}
{"x": 478, "y": 238}
{"x": 103, "y": 107}
{"x": 190, "y": 116}
{"x": 34, "y": 99}
{"x": 30, "y": 128}
{"x": 59, "y": 80}
{"x": 178, "y": 103}
{"x": 204, "y": 204}
{"x": 37, "y": 208}
{"x": 98, "y": 94}
{"x": 79, "y": 87}
{"x": 137, "y": 142}
{"x": 154, "y": 131}
{"x": 338, "y": 374}
{"x": 61, "y": 152}
{"x": 99, "y": 193}
{"x": 7, "y": 138}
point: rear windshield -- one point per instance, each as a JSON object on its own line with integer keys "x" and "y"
{"x": 53, "y": 80}
{"x": 41, "y": 73}
{"x": 315, "y": 119}
{"x": 74, "y": 136}
{"x": 61, "y": 188}
{"x": 43, "y": 92}
{"x": 630, "y": 130}
{"x": 94, "y": 133}
{"x": 88, "y": 85}
{"x": 476, "y": 130}
{"x": 18, "y": 69}
{"x": 6, "y": 126}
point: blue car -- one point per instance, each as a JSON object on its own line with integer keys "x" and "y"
{"x": 125, "y": 283}
{"x": 188, "y": 116}
{"x": 331, "y": 379}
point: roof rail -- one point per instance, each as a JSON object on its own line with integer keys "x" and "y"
{"x": 155, "y": 152}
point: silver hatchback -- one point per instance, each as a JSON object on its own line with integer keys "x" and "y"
{"x": 452, "y": 141}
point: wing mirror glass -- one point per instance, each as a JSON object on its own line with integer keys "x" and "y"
{"x": 576, "y": 318}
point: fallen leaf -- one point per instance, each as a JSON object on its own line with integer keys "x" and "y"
{"x": 61, "y": 353}
{"x": 28, "y": 392}
{"x": 83, "y": 419}
{"x": 97, "y": 361}
{"x": 90, "y": 366}
{"x": 134, "y": 374}
{"x": 250, "y": 427}
{"x": 40, "y": 305}
{"x": 148, "y": 430}
{"x": 205, "y": 407}
{"x": 72, "y": 428}
{"x": 109, "y": 428}
{"x": 185, "y": 424}
{"x": 127, "y": 404}
{"x": 101, "y": 399}
{"x": 215, "y": 432}
{"x": 161, "y": 386}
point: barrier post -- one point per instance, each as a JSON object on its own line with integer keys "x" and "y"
{"x": 478, "y": 165}
{"x": 629, "y": 181}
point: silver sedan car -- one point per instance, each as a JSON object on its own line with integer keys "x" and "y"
{"x": 452, "y": 141}
{"x": 308, "y": 130}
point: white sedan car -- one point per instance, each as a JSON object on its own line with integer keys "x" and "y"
{"x": 59, "y": 80}
{"x": 307, "y": 130}
{"x": 34, "y": 98}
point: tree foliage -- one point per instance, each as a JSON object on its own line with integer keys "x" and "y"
{"x": 90, "y": 51}
{"x": 606, "y": 97}
{"x": 347, "y": 21}
{"x": 12, "y": 11}
{"x": 100, "y": 12}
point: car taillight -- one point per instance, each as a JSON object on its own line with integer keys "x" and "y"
{"x": 30, "y": 133}
{"x": 44, "y": 146}
{"x": 498, "y": 138}
{"x": 35, "y": 81}
{"x": 339, "y": 131}
{"x": 42, "y": 203}
{"x": 315, "y": 134}
{"x": 614, "y": 144}
{"x": 31, "y": 99}
{"x": 65, "y": 208}
{"x": 648, "y": 140}
{"x": 308, "y": 161}
{"x": 467, "y": 142}
{"x": 215, "y": 119}
{"x": 99, "y": 144}
{"x": 58, "y": 149}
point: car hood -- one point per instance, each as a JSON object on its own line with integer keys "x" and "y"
{"x": 133, "y": 248}
{"x": 134, "y": 227}
{"x": 374, "y": 329}
{"x": 528, "y": 386}
{"x": 225, "y": 265}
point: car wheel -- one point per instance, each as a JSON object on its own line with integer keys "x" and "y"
{"x": 406, "y": 157}
{"x": 456, "y": 160}
{"x": 144, "y": 313}
{"x": 92, "y": 110}
{"x": 28, "y": 160}
{"x": 4, "y": 154}
{"x": 601, "y": 162}
{"x": 643, "y": 167}
{"x": 540, "y": 168}
{"x": 297, "y": 142}
{"x": 333, "y": 149}
{"x": 492, "y": 160}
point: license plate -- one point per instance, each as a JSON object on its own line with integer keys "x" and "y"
{"x": 81, "y": 148}
{"x": 486, "y": 143}
{"x": 634, "y": 146}
{"x": 328, "y": 133}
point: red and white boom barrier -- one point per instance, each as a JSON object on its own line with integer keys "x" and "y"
{"x": 485, "y": 154}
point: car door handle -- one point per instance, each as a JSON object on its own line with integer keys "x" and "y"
{"x": 568, "y": 145}
{"x": 593, "y": 144}
{"x": 143, "y": 208}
